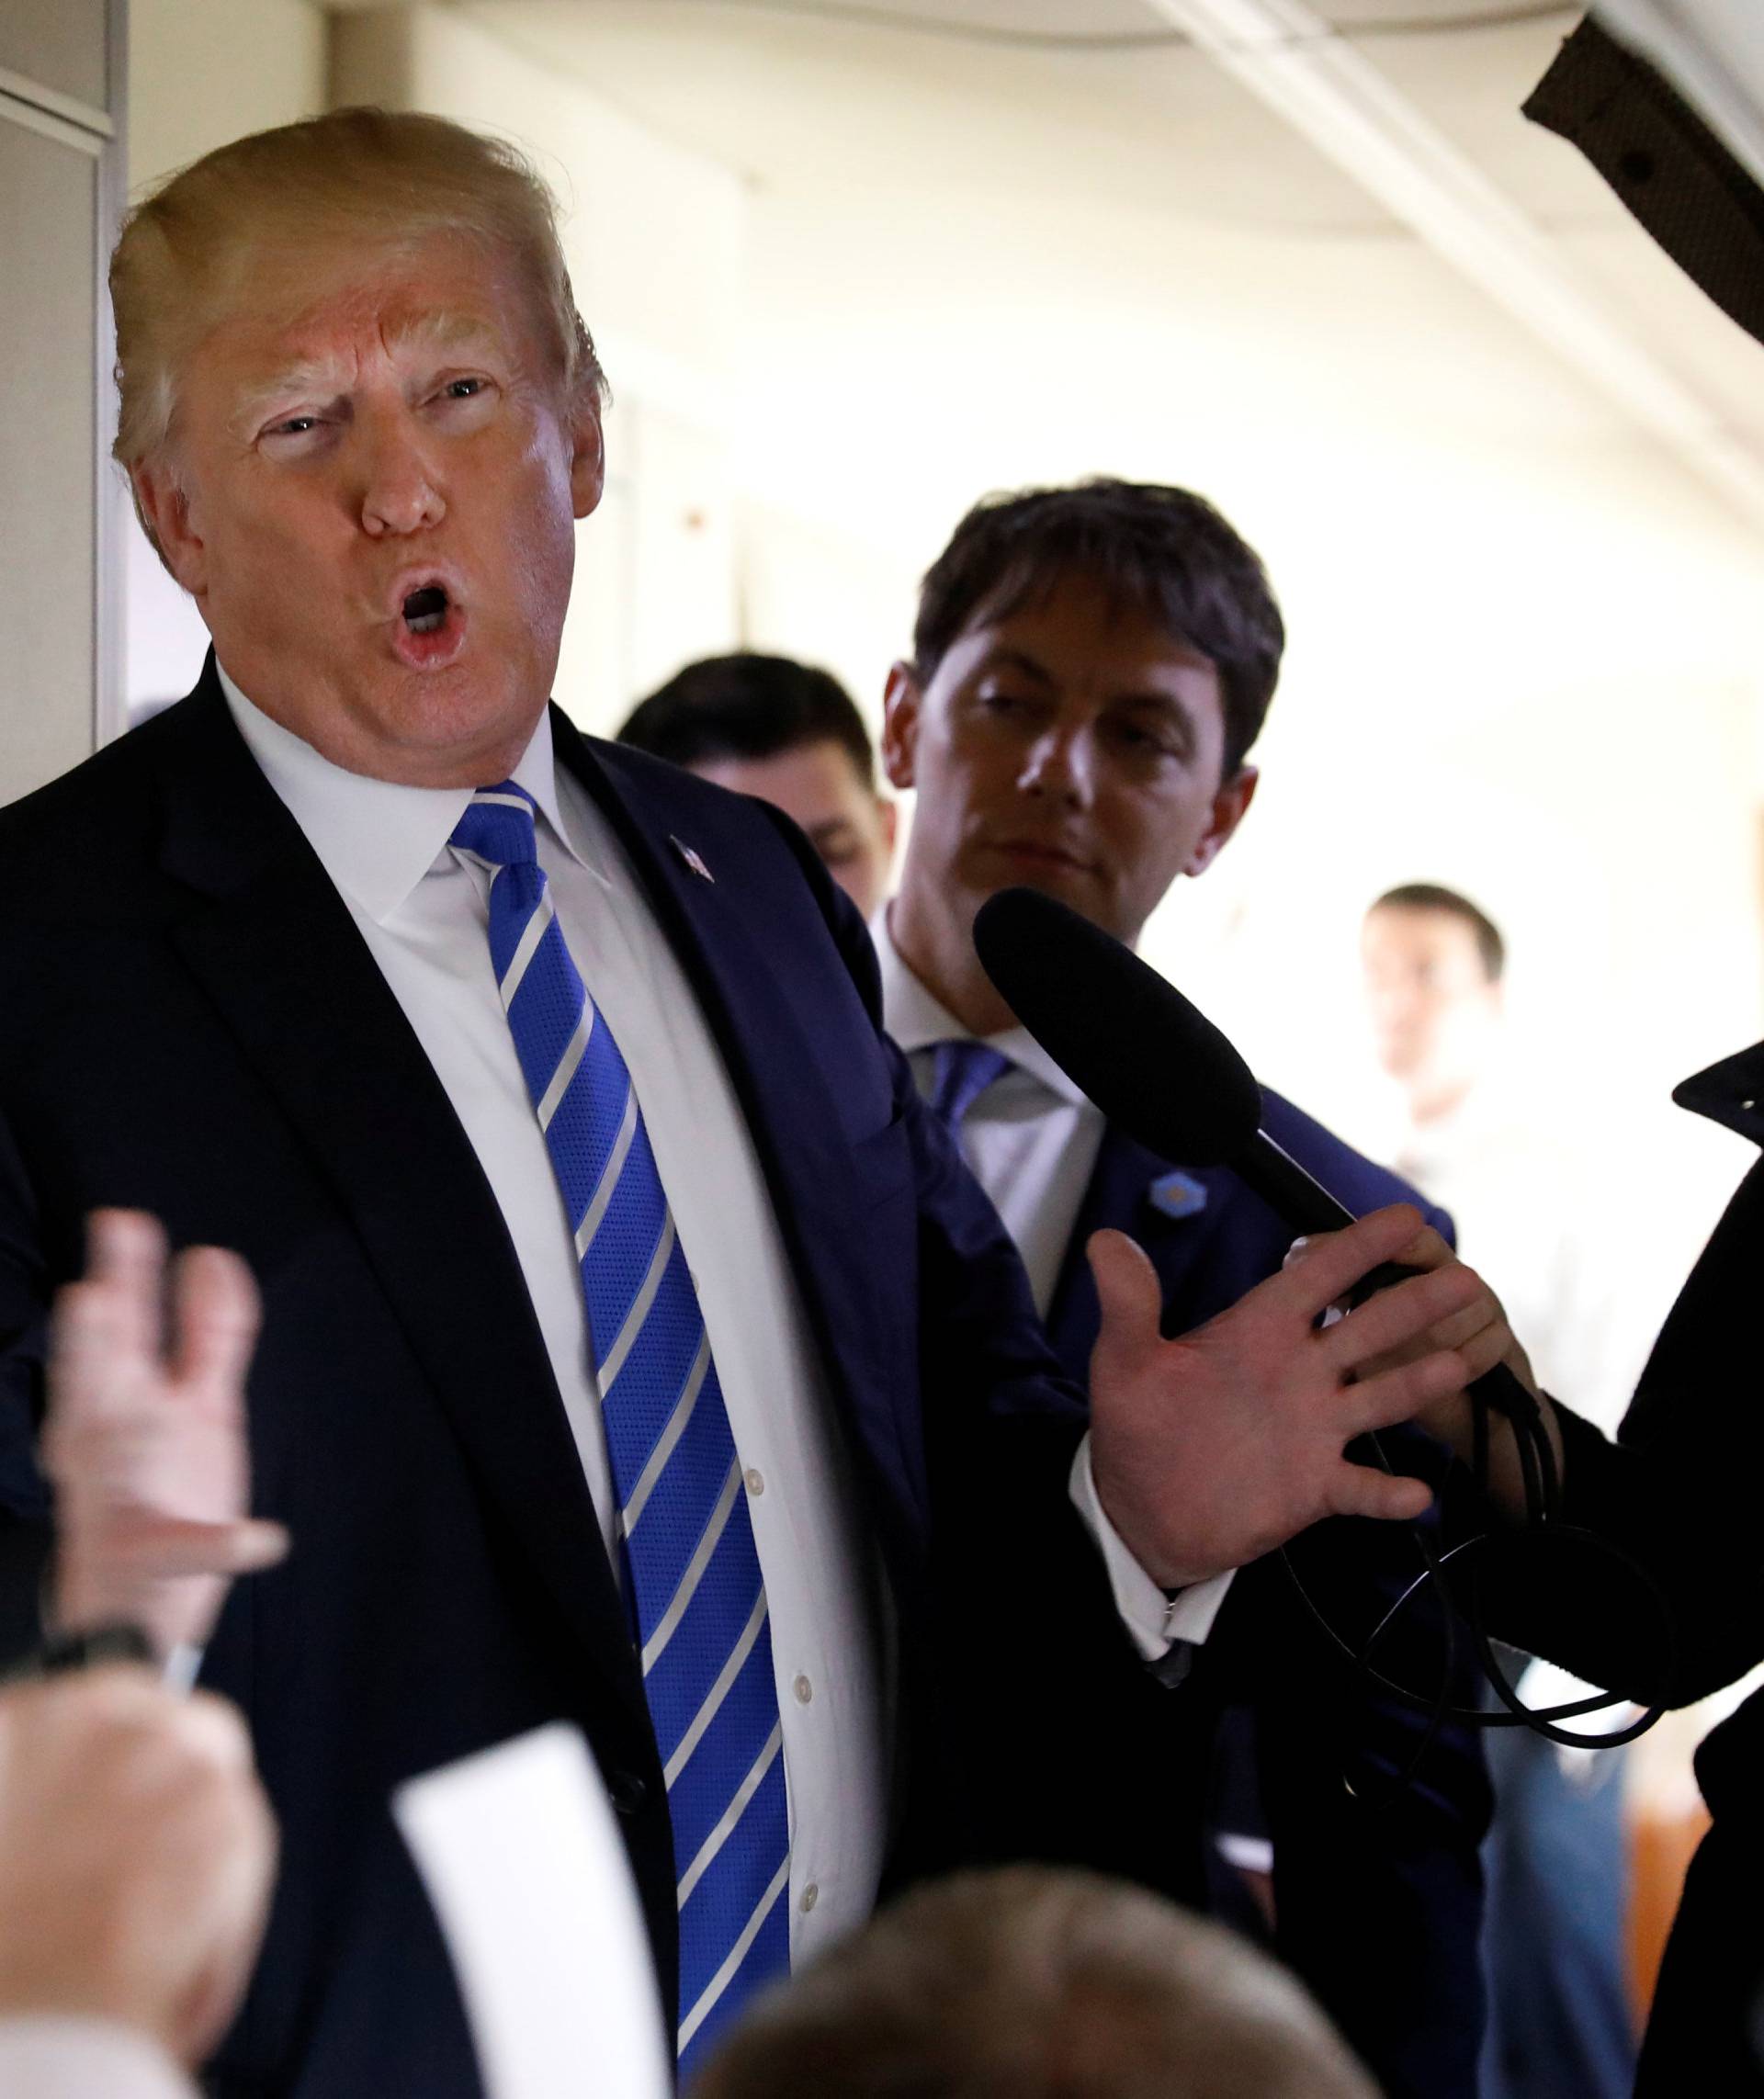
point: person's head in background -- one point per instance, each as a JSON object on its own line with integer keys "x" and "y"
{"x": 790, "y": 734}
{"x": 1433, "y": 967}
{"x": 1032, "y": 1983}
{"x": 1091, "y": 666}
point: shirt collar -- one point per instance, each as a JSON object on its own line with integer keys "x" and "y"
{"x": 377, "y": 839}
{"x": 916, "y": 1018}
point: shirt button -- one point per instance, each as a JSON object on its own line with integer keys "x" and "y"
{"x": 755, "y": 1479}
{"x": 804, "y": 1690}
{"x": 810, "y": 1896}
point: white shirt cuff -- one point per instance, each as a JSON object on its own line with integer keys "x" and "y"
{"x": 45, "y": 2056}
{"x": 183, "y": 1666}
{"x": 1155, "y": 1621}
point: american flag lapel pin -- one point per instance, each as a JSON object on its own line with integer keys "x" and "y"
{"x": 691, "y": 856}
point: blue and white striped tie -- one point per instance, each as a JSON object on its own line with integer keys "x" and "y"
{"x": 692, "y": 1570}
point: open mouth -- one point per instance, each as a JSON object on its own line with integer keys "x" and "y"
{"x": 429, "y": 630}
{"x": 426, "y": 610}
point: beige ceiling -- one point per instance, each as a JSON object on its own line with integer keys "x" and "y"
{"x": 1125, "y": 164}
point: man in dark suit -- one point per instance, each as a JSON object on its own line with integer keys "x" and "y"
{"x": 1092, "y": 665}
{"x": 635, "y": 1350}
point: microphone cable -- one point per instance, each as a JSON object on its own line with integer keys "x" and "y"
{"x": 1542, "y": 1486}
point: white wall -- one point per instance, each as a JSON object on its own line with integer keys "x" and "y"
{"x": 200, "y": 72}
{"x": 60, "y": 177}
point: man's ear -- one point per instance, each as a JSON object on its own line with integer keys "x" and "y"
{"x": 587, "y": 459}
{"x": 164, "y": 507}
{"x": 1230, "y": 805}
{"x": 901, "y": 701}
{"x": 888, "y": 812}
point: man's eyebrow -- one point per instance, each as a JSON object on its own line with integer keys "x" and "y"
{"x": 1002, "y": 657}
{"x": 305, "y": 376}
{"x": 1135, "y": 697}
{"x": 327, "y": 377}
{"x": 1151, "y": 697}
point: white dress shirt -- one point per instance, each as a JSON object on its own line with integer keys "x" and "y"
{"x": 45, "y": 2056}
{"x": 422, "y": 910}
{"x": 1032, "y": 1139}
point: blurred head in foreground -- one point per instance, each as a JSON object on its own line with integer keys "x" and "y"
{"x": 1031, "y": 1983}
{"x": 1433, "y": 968}
{"x": 790, "y": 734}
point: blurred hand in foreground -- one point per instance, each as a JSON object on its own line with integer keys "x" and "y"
{"x": 145, "y": 1438}
{"x": 136, "y": 1855}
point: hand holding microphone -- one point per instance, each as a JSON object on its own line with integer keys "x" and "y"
{"x": 1215, "y": 1448}
{"x": 1481, "y": 1335}
{"x": 1259, "y": 1396}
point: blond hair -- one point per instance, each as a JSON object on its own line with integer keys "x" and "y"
{"x": 384, "y": 179}
{"x": 1034, "y": 1984}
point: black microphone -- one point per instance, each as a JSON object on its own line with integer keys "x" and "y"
{"x": 1150, "y": 1058}
{"x": 1159, "y": 1068}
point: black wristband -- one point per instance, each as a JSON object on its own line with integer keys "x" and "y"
{"x": 62, "y": 1651}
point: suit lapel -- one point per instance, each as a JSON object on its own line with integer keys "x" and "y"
{"x": 1121, "y": 1197}
{"x": 1730, "y": 1093}
{"x": 795, "y": 1118}
{"x": 275, "y": 950}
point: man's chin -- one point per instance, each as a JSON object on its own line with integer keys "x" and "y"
{"x": 1080, "y": 888}
{"x": 464, "y": 726}
{"x": 454, "y": 728}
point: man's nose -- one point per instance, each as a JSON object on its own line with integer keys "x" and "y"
{"x": 1060, "y": 764}
{"x": 399, "y": 490}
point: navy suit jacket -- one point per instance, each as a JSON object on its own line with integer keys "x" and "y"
{"x": 1378, "y": 1908}
{"x": 191, "y": 1024}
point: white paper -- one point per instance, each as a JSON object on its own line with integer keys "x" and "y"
{"x": 520, "y": 1852}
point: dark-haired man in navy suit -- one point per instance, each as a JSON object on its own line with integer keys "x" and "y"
{"x": 1091, "y": 667}
{"x": 636, "y": 1350}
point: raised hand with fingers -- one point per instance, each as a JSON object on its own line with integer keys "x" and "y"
{"x": 1213, "y": 1449}
{"x": 145, "y": 1439}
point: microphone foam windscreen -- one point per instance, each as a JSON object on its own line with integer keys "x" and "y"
{"x": 1153, "y": 1063}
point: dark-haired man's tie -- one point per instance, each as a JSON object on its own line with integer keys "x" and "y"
{"x": 961, "y": 1071}
{"x": 690, "y": 1567}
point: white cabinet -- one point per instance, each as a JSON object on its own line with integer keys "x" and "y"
{"x": 61, "y": 500}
